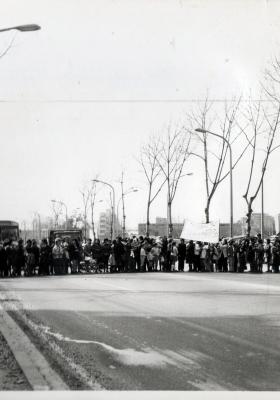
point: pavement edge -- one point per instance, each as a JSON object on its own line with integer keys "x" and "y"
{"x": 33, "y": 364}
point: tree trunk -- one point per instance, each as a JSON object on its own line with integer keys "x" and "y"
{"x": 148, "y": 219}
{"x": 170, "y": 225}
{"x": 93, "y": 230}
{"x": 249, "y": 218}
{"x": 206, "y": 210}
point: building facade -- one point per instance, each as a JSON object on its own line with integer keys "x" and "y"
{"x": 269, "y": 225}
{"x": 160, "y": 228}
{"x": 105, "y": 225}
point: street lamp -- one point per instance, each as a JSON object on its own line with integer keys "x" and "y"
{"x": 131, "y": 190}
{"x": 22, "y": 28}
{"x": 230, "y": 172}
{"x": 114, "y": 204}
{"x": 66, "y": 213}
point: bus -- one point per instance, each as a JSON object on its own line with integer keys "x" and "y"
{"x": 9, "y": 230}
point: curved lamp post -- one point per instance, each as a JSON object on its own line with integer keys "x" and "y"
{"x": 114, "y": 203}
{"x": 131, "y": 190}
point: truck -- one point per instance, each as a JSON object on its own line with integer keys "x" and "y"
{"x": 65, "y": 233}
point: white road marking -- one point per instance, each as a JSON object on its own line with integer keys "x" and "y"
{"x": 132, "y": 357}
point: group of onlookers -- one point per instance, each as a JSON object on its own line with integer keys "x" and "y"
{"x": 137, "y": 255}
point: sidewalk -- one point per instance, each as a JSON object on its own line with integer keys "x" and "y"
{"x": 11, "y": 376}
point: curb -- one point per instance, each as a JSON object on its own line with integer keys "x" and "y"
{"x": 37, "y": 370}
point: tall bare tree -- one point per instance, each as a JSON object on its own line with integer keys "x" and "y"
{"x": 172, "y": 157}
{"x": 57, "y": 210}
{"x": 148, "y": 161}
{"x": 228, "y": 127}
{"x": 85, "y": 192}
{"x": 264, "y": 123}
{"x": 93, "y": 193}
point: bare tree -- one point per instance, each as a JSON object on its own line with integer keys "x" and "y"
{"x": 264, "y": 123}
{"x": 93, "y": 193}
{"x": 85, "y": 192}
{"x": 173, "y": 154}
{"x": 57, "y": 210}
{"x": 228, "y": 127}
{"x": 148, "y": 161}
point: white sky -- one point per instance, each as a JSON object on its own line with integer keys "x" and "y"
{"x": 80, "y": 96}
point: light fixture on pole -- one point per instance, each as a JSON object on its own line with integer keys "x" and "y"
{"x": 230, "y": 172}
{"x": 22, "y": 28}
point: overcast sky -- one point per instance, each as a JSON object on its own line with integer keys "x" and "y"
{"x": 80, "y": 96}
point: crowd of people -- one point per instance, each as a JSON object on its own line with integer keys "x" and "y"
{"x": 137, "y": 254}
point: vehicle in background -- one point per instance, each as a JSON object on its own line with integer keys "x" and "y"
{"x": 65, "y": 233}
{"x": 9, "y": 230}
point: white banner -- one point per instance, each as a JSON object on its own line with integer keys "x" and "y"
{"x": 201, "y": 232}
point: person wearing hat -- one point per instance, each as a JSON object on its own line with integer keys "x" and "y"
{"x": 58, "y": 257}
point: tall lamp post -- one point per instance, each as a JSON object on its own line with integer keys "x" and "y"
{"x": 114, "y": 203}
{"x": 230, "y": 172}
{"x": 131, "y": 190}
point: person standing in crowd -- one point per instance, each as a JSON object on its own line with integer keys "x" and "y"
{"x": 224, "y": 255}
{"x": 197, "y": 251}
{"x": 36, "y": 251}
{"x": 190, "y": 255}
{"x": 241, "y": 263}
{"x": 136, "y": 252}
{"x": 251, "y": 256}
{"x": 88, "y": 254}
{"x": 163, "y": 254}
{"x": 210, "y": 263}
{"x": 112, "y": 259}
{"x": 58, "y": 255}
{"x": 30, "y": 259}
{"x": 259, "y": 255}
{"x": 231, "y": 256}
{"x": 275, "y": 260}
{"x": 150, "y": 259}
{"x": 216, "y": 254}
{"x": 10, "y": 256}
{"x": 127, "y": 255}
{"x": 204, "y": 257}
{"x": 19, "y": 258}
{"x": 97, "y": 253}
{"x": 155, "y": 251}
{"x": 74, "y": 256}
{"x": 182, "y": 252}
{"x": 168, "y": 255}
{"x": 45, "y": 258}
{"x": 119, "y": 254}
{"x": 105, "y": 251}
{"x": 267, "y": 255}
{"x": 3, "y": 261}
{"x": 143, "y": 258}
{"x": 173, "y": 256}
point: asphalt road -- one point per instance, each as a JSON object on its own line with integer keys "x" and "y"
{"x": 154, "y": 331}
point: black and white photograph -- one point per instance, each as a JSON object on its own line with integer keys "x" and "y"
{"x": 140, "y": 198}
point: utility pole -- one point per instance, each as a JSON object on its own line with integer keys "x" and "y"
{"x": 123, "y": 210}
